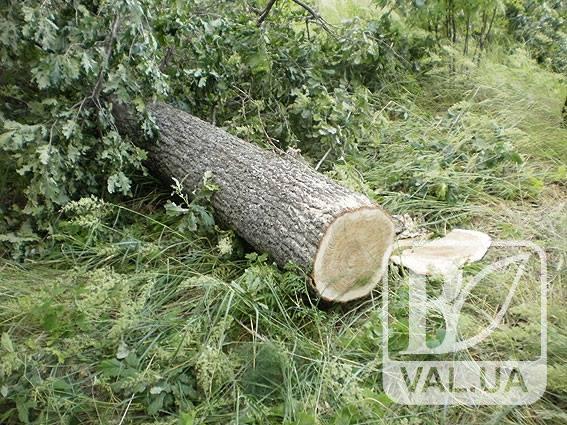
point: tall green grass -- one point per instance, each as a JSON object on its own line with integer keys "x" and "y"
{"x": 136, "y": 315}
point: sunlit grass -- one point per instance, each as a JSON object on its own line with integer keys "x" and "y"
{"x": 130, "y": 317}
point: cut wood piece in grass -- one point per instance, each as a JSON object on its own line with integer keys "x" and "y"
{"x": 447, "y": 254}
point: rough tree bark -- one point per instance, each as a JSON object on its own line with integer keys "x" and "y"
{"x": 277, "y": 203}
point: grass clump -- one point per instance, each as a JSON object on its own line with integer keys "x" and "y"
{"x": 144, "y": 310}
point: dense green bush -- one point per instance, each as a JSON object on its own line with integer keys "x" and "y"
{"x": 60, "y": 61}
{"x": 290, "y": 83}
{"x": 541, "y": 26}
{"x": 283, "y": 84}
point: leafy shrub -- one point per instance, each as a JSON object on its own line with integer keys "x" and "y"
{"x": 279, "y": 85}
{"x": 60, "y": 61}
{"x": 541, "y": 26}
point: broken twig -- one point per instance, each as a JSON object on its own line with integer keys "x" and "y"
{"x": 265, "y": 12}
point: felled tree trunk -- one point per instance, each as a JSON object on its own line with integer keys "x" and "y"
{"x": 278, "y": 204}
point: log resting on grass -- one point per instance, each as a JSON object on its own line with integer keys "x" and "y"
{"x": 278, "y": 204}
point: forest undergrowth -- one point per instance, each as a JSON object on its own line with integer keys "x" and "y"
{"x": 122, "y": 301}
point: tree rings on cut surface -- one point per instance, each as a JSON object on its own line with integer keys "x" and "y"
{"x": 353, "y": 254}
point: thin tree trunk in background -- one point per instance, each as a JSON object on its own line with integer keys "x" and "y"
{"x": 453, "y": 24}
{"x": 447, "y": 28}
{"x": 482, "y": 29}
{"x": 485, "y": 36}
{"x": 490, "y": 25}
{"x": 467, "y": 31}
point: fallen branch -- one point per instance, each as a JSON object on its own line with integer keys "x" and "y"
{"x": 318, "y": 18}
{"x": 109, "y": 46}
{"x": 265, "y": 12}
{"x": 108, "y": 54}
{"x": 276, "y": 202}
{"x": 315, "y": 16}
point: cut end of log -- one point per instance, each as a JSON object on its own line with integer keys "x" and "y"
{"x": 353, "y": 254}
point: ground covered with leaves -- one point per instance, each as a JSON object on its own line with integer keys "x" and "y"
{"x": 122, "y": 301}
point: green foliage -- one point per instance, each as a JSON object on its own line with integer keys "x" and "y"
{"x": 288, "y": 85}
{"x": 131, "y": 318}
{"x": 283, "y": 85}
{"x": 541, "y": 26}
{"x": 60, "y": 61}
{"x": 143, "y": 310}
